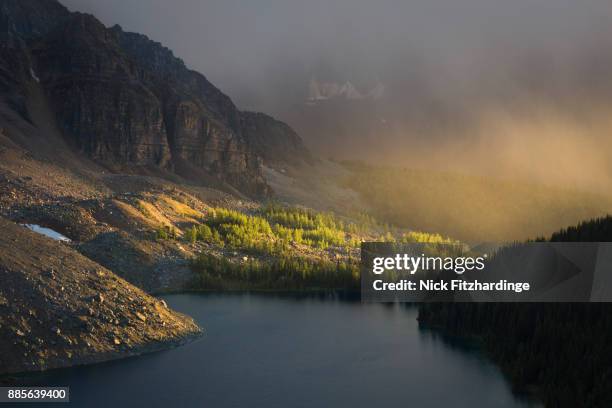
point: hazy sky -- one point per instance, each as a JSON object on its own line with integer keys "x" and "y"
{"x": 247, "y": 47}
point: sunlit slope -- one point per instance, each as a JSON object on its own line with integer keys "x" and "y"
{"x": 470, "y": 207}
{"x": 59, "y": 308}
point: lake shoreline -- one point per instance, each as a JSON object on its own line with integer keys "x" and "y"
{"x": 530, "y": 392}
{"x": 260, "y": 350}
{"x": 264, "y": 296}
{"x": 106, "y": 357}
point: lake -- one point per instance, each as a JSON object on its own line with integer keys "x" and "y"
{"x": 283, "y": 351}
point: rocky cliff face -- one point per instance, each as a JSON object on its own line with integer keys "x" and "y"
{"x": 273, "y": 140}
{"x": 123, "y": 99}
{"x": 101, "y": 105}
{"x": 202, "y": 124}
{"x": 30, "y": 18}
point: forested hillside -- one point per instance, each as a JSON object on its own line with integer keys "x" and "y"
{"x": 471, "y": 208}
{"x": 563, "y": 352}
{"x": 279, "y": 247}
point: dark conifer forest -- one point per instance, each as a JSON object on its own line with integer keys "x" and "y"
{"x": 560, "y": 352}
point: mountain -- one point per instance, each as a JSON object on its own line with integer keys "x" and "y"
{"x": 98, "y": 127}
{"x": 126, "y": 101}
{"x": 322, "y": 91}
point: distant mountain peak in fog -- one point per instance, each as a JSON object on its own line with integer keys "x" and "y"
{"x": 322, "y": 91}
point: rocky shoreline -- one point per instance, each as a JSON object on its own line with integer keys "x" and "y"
{"x": 8, "y": 378}
{"x": 59, "y": 308}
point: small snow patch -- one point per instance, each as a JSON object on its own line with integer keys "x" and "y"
{"x": 48, "y": 232}
{"x": 34, "y": 76}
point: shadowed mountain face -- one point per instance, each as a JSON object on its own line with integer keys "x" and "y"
{"x": 125, "y": 100}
